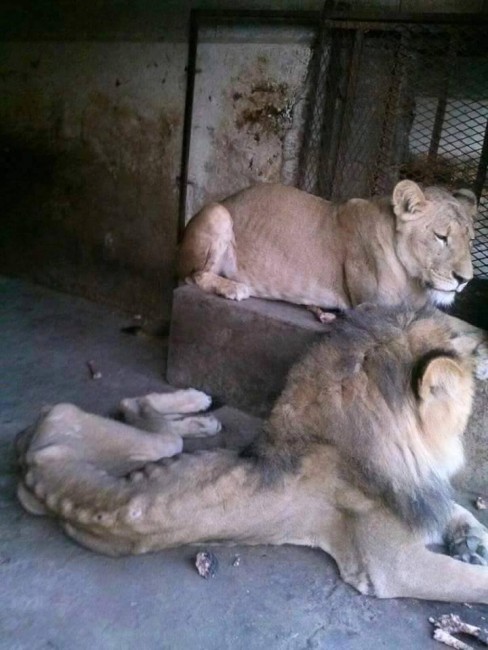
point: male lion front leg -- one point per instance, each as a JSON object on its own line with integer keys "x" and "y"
{"x": 465, "y": 538}
{"x": 399, "y": 563}
{"x": 172, "y": 413}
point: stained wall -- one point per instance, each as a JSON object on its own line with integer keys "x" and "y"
{"x": 92, "y": 98}
{"x": 90, "y": 144}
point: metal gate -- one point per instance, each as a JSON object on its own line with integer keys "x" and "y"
{"x": 400, "y": 99}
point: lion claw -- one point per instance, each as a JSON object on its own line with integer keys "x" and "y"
{"x": 469, "y": 548}
{"x": 481, "y": 364}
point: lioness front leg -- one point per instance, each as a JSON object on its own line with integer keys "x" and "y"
{"x": 171, "y": 413}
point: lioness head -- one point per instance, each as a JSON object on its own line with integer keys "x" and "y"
{"x": 434, "y": 235}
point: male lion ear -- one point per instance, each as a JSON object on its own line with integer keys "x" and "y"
{"x": 408, "y": 200}
{"x": 439, "y": 377}
{"x": 468, "y": 200}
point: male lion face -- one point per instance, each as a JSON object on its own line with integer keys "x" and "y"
{"x": 434, "y": 236}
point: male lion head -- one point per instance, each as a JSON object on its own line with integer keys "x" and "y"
{"x": 391, "y": 390}
{"x": 434, "y": 235}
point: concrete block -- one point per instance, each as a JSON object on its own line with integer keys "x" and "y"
{"x": 239, "y": 352}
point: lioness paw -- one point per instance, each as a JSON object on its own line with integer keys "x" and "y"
{"x": 468, "y": 543}
{"x": 236, "y": 291}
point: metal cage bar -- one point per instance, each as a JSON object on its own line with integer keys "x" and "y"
{"x": 414, "y": 104}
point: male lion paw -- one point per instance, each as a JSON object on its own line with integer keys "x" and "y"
{"x": 481, "y": 368}
{"x": 197, "y": 426}
{"x": 468, "y": 543}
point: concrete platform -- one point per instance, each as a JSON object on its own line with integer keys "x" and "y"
{"x": 56, "y": 595}
{"x": 238, "y": 351}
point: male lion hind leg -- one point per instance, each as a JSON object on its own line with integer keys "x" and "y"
{"x": 171, "y": 413}
{"x": 399, "y": 564}
{"x": 75, "y": 465}
{"x": 207, "y": 253}
{"x": 87, "y": 448}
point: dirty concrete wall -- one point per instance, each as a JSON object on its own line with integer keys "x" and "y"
{"x": 90, "y": 144}
{"x": 249, "y": 109}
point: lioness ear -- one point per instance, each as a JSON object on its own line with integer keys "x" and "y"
{"x": 408, "y": 200}
{"x": 440, "y": 376}
{"x": 467, "y": 198}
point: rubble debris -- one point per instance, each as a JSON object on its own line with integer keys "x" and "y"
{"x": 158, "y": 329}
{"x": 449, "y": 624}
{"x": 94, "y": 372}
{"x": 480, "y": 503}
{"x": 207, "y": 564}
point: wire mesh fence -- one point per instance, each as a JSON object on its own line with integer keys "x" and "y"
{"x": 399, "y": 100}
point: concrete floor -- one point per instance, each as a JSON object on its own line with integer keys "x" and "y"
{"x": 54, "y": 594}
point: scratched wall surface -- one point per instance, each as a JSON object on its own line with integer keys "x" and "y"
{"x": 249, "y": 109}
{"x": 90, "y": 137}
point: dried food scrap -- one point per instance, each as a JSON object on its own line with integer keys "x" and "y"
{"x": 480, "y": 503}
{"x": 94, "y": 372}
{"x": 447, "y": 639}
{"x": 207, "y": 564}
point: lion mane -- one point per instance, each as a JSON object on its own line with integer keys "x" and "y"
{"x": 360, "y": 390}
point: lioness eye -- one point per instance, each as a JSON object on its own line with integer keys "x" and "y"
{"x": 441, "y": 238}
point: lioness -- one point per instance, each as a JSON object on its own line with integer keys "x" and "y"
{"x": 277, "y": 242}
{"x": 355, "y": 459}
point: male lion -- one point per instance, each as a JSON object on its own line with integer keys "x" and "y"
{"x": 354, "y": 459}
